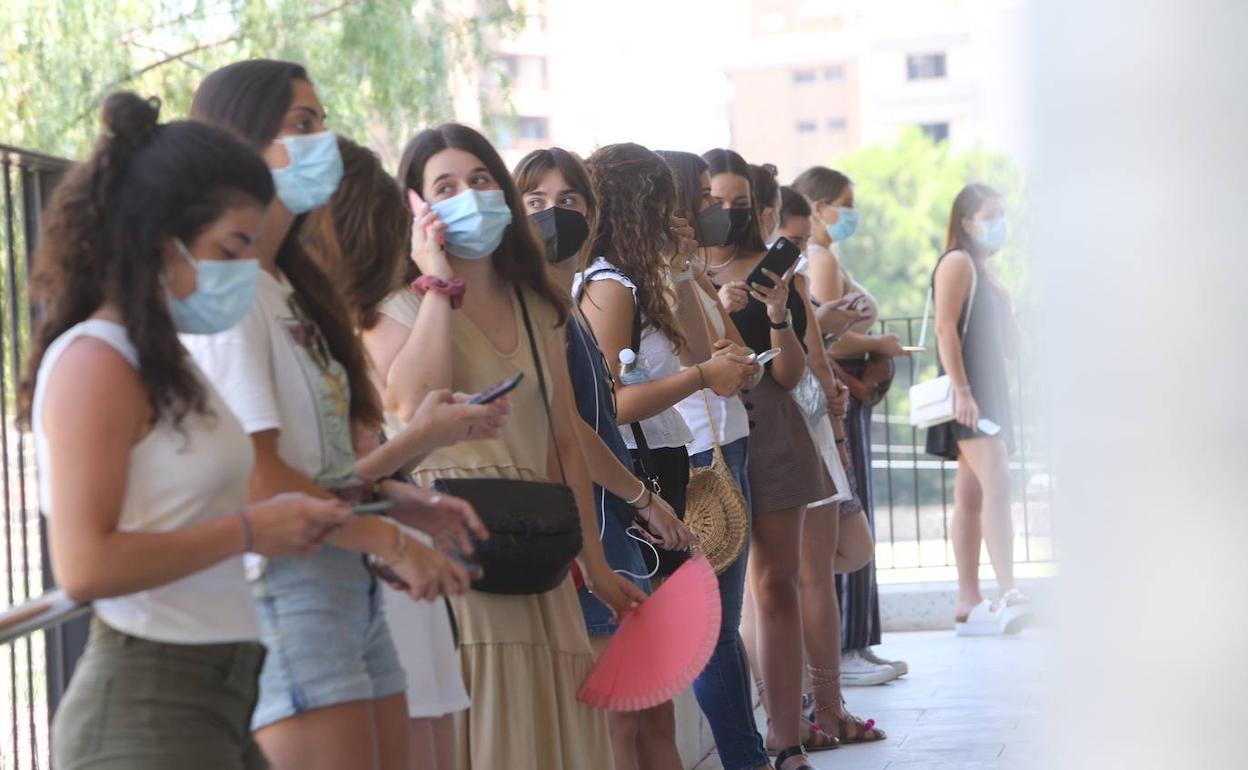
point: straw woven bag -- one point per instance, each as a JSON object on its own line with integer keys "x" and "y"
{"x": 715, "y": 508}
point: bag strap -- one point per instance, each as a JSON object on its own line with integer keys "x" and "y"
{"x": 644, "y": 454}
{"x": 541, "y": 381}
{"x": 706, "y": 322}
{"x": 970, "y": 302}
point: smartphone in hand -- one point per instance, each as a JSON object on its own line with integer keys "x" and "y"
{"x": 498, "y": 391}
{"x": 782, "y": 255}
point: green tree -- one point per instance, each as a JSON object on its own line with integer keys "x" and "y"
{"x": 383, "y": 67}
{"x": 904, "y": 192}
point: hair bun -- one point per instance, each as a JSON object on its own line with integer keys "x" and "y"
{"x": 130, "y": 119}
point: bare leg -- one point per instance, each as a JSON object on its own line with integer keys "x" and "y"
{"x": 855, "y": 544}
{"x": 967, "y": 533}
{"x": 773, "y": 571}
{"x": 444, "y": 741}
{"x": 329, "y": 738}
{"x": 821, "y": 612}
{"x": 422, "y": 750}
{"x": 390, "y": 721}
{"x": 656, "y": 738}
{"x": 623, "y": 724}
{"x": 749, "y": 632}
{"x": 989, "y": 461}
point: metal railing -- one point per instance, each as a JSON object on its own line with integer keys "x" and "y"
{"x": 34, "y": 664}
{"x": 43, "y": 632}
{"x": 914, "y": 490}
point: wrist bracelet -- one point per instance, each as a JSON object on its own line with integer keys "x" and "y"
{"x": 640, "y": 495}
{"x": 701, "y": 374}
{"x": 649, "y": 502}
{"x": 400, "y": 545}
{"x": 249, "y": 537}
{"x": 453, "y": 289}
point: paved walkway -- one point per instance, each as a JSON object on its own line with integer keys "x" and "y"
{"x": 967, "y": 704}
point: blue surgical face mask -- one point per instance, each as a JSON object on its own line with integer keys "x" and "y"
{"x": 993, "y": 233}
{"x": 846, "y": 224}
{"x": 224, "y": 292}
{"x": 313, "y": 174}
{"x": 475, "y": 221}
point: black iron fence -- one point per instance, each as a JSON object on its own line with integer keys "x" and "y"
{"x": 40, "y": 642}
{"x": 32, "y": 668}
{"x": 914, "y": 490}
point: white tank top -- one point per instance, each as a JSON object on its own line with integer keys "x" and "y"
{"x": 667, "y": 429}
{"x": 177, "y": 476}
{"x": 731, "y": 421}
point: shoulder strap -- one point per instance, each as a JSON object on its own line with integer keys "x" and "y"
{"x": 541, "y": 379}
{"x": 644, "y": 454}
{"x": 970, "y": 300}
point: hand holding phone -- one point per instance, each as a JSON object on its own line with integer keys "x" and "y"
{"x": 766, "y": 356}
{"x": 498, "y": 391}
{"x": 782, "y": 256}
{"x": 988, "y": 427}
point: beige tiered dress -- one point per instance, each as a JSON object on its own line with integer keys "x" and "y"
{"x": 523, "y": 657}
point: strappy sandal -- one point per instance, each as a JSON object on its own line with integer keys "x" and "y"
{"x": 816, "y": 738}
{"x": 861, "y": 732}
{"x": 790, "y": 753}
{"x": 1013, "y": 608}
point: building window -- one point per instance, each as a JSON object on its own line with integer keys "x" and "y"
{"x": 925, "y": 66}
{"x": 937, "y": 132}
{"x": 836, "y": 124}
{"x": 834, "y": 74}
{"x": 803, "y": 76}
{"x": 533, "y": 129}
{"x": 807, "y": 126}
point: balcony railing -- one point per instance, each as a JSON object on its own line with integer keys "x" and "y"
{"x": 43, "y": 632}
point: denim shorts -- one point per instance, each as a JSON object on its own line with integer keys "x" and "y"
{"x": 137, "y": 704}
{"x": 323, "y": 622}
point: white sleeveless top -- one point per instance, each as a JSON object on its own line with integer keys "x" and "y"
{"x": 731, "y": 421}
{"x": 177, "y": 476}
{"x": 667, "y": 429}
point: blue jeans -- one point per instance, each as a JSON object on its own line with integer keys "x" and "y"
{"x": 723, "y": 687}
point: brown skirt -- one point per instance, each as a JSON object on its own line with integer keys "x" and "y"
{"x": 786, "y": 469}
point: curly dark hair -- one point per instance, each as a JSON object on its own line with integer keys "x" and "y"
{"x": 519, "y": 258}
{"x": 361, "y": 237}
{"x": 687, "y": 170}
{"x": 250, "y": 98}
{"x": 102, "y": 233}
{"x": 636, "y": 199}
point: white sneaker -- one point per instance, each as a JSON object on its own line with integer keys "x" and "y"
{"x": 858, "y": 671}
{"x": 897, "y": 665}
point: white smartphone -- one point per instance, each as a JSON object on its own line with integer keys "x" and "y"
{"x": 762, "y": 358}
{"x": 988, "y": 427}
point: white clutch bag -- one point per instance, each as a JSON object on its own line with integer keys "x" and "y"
{"x": 931, "y": 402}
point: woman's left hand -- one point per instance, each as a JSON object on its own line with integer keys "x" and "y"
{"x": 669, "y": 532}
{"x": 441, "y": 516}
{"x": 619, "y": 593}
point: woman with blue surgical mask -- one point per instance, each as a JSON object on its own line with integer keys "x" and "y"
{"x": 975, "y": 334}
{"x": 143, "y": 469}
{"x": 293, "y": 371}
{"x": 859, "y": 355}
{"x": 464, "y": 325}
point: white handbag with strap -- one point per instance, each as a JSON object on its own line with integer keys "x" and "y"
{"x": 931, "y": 402}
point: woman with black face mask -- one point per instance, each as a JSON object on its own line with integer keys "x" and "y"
{"x": 785, "y": 469}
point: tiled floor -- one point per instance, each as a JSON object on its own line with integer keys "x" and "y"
{"x": 966, "y": 704}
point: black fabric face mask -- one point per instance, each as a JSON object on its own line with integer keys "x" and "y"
{"x": 563, "y": 231}
{"x": 714, "y": 224}
{"x": 740, "y": 220}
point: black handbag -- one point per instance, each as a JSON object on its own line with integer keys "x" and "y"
{"x": 535, "y": 527}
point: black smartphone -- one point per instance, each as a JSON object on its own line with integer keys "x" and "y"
{"x": 498, "y": 391}
{"x": 782, "y": 255}
{"x": 379, "y": 507}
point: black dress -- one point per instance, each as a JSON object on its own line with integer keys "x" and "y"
{"x": 984, "y": 357}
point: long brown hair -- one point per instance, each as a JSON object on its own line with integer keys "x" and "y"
{"x": 102, "y": 234}
{"x": 687, "y": 169}
{"x": 532, "y": 167}
{"x": 361, "y": 237}
{"x": 251, "y": 98}
{"x": 519, "y": 259}
{"x": 636, "y": 197}
{"x": 965, "y": 206}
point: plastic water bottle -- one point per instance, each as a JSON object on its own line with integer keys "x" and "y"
{"x": 632, "y": 369}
